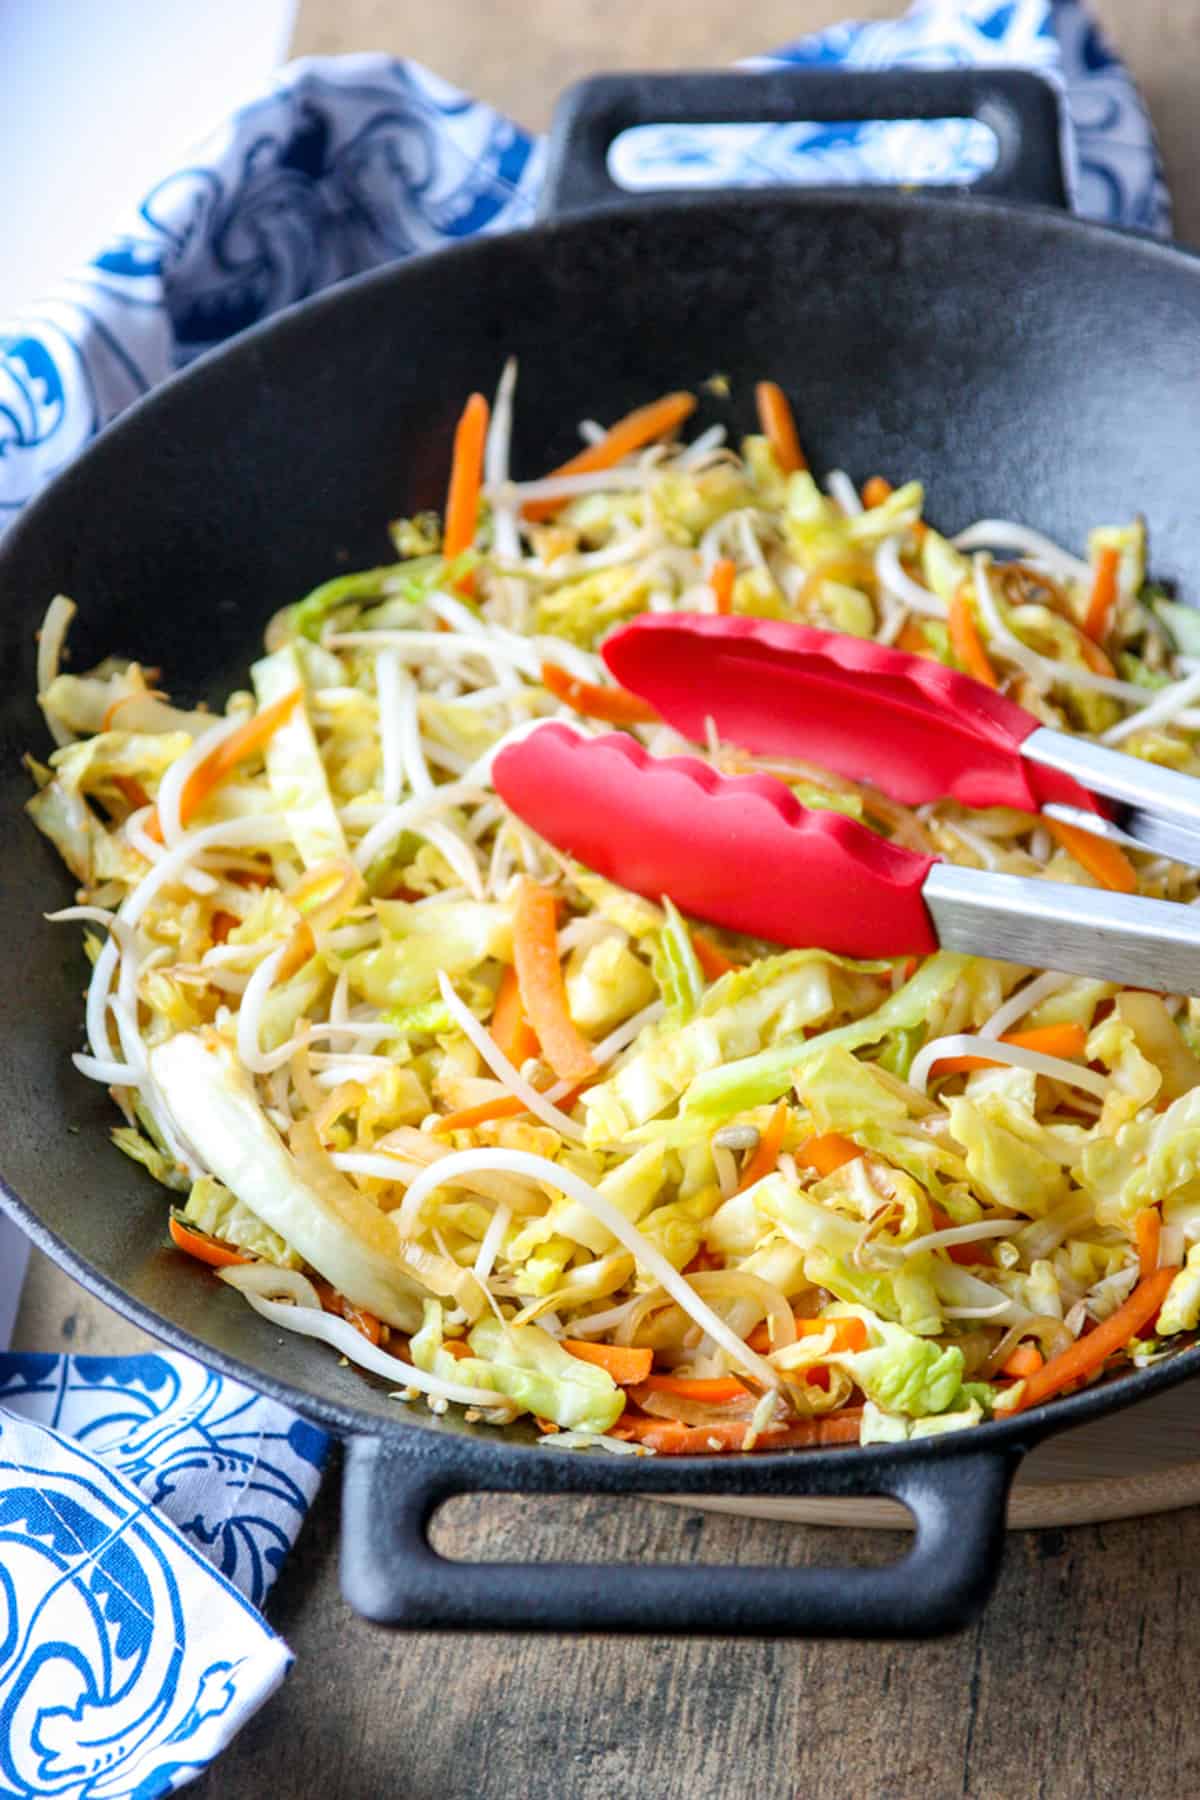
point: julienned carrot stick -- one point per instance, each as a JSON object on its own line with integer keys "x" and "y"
{"x": 828, "y": 1152}
{"x": 466, "y": 479}
{"x": 767, "y": 1154}
{"x": 513, "y": 1033}
{"x": 504, "y": 1106}
{"x": 713, "y": 962}
{"x": 252, "y": 736}
{"x": 848, "y": 1334}
{"x": 543, "y": 993}
{"x": 1147, "y": 1233}
{"x": 627, "y": 1366}
{"x": 1088, "y": 1355}
{"x": 633, "y": 432}
{"x": 1106, "y": 863}
{"x": 614, "y": 704}
{"x": 1025, "y": 1360}
{"x": 716, "y": 1391}
{"x": 1104, "y": 594}
{"x": 1064, "y": 1041}
{"x": 779, "y": 426}
{"x": 667, "y": 1438}
{"x": 205, "y": 1249}
{"x": 967, "y": 643}
{"x": 721, "y": 578}
{"x": 876, "y": 490}
{"x": 913, "y": 640}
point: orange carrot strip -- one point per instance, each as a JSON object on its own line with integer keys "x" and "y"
{"x": 875, "y": 491}
{"x": 244, "y": 742}
{"x": 1104, "y": 594}
{"x": 205, "y": 1249}
{"x": 1147, "y": 1230}
{"x": 1088, "y": 1355}
{"x": 364, "y": 1322}
{"x": 543, "y": 994}
{"x": 631, "y": 433}
{"x": 848, "y": 1334}
{"x": 614, "y": 704}
{"x": 1065, "y": 1041}
{"x": 1094, "y": 657}
{"x": 1025, "y": 1360}
{"x": 504, "y": 1106}
{"x": 767, "y": 1154}
{"x": 132, "y": 791}
{"x": 827, "y": 1153}
{"x": 458, "y": 1349}
{"x": 721, "y": 578}
{"x": 713, "y": 962}
{"x": 114, "y": 706}
{"x": 512, "y": 1031}
{"x": 626, "y": 1365}
{"x": 1106, "y": 863}
{"x": 713, "y": 1392}
{"x": 913, "y": 639}
{"x": 669, "y": 1439}
{"x": 967, "y": 643}
{"x": 466, "y": 479}
{"x": 779, "y": 426}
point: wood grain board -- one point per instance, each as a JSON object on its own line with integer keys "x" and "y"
{"x": 1077, "y": 1684}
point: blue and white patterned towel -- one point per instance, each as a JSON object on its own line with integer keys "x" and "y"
{"x": 145, "y": 1504}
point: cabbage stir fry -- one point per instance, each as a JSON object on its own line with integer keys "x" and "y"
{"x": 519, "y": 1141}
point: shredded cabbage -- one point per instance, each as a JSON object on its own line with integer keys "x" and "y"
{"x": 308, "y": 1009}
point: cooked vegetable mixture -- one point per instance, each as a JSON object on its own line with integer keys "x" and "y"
{"x": 522, "y": 1142}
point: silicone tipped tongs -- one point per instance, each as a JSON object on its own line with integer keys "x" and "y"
{"x": 742, "y": 852}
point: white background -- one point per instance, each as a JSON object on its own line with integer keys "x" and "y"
{"x": 100, "y": 98}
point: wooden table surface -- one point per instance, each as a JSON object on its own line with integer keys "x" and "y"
{"x": 1078, "y": 1681}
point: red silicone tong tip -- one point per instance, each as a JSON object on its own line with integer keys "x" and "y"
{"x": 907, "y": 724}
{"x": 739, "y": 851}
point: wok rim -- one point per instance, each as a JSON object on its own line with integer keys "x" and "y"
{"x": 997, "y": 1436}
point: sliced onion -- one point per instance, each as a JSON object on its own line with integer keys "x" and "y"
{"x": 1051, "y": 1334}
{"x": 758, "y": 1299}
{"x": 1022, "y": 540}
{"x": 272, "y": 1283}
{"x": 51, "y": 638}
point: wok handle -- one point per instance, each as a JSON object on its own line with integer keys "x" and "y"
{"x": 1021, "y": 108}
{"x": 391, "y": 1574}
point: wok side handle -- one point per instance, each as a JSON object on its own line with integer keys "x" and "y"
{"x": 392, "y": 1575}
{"x": 1021, "y": 108}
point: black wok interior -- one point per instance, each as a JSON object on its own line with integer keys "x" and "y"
{"x": 1019, "y": 363}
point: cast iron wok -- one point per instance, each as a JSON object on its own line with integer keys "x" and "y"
{"x": 1017, "y": 361}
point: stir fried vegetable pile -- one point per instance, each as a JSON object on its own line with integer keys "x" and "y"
{"x": 520, "y": 1141}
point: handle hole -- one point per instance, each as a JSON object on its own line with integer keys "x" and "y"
{"x": 886, "y": 153}
{"x": 610, "y": 1529}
